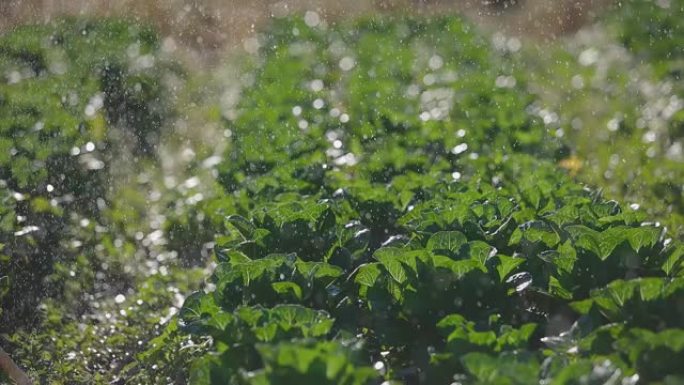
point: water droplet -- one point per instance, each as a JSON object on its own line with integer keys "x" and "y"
{"x": 436, "y": 62}
{"x": 316, "y": 85}
{"x": 549, "y": 255}
{"x": 429, "y": 79}
{"x": 26, "y": 230}
{"x": 347, "y": 63}
{"x": 588, "y": 57}
{"x": 460, "y": 148}
{"x": 514, "y": 44}
{"x": 333, "y": 290}
{"x": 312, "y": 19}
{"x": 521, "y": 281}
{"x": 318, "y": 103}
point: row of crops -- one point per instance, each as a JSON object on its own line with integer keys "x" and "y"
{"x": 400, "y": 202}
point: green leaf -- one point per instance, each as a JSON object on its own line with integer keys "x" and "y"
{"x": 368, "y": 274}
{"x": 311, "y": 323}
{"x": 583, "y": 306}
{"x": 610, "y": 239}
{"x": 450, "y": 241}
{"x": 391, "y": 259}
{"x": 481, "y": 252}
{"x": 507, "y": 265}
{"x": 555, "y": 288}
{"x": 621, "y": 291}
{"x": 288, "y": 288}
{"x": 234, "y": 256}
{"x": 673, "y": 262}
{"x": 515, "y": 368}
{"x": 460, "y": 268}
{"x": 650, "y": 288}
{"x": 197, "y": 309}
{"x": 586, "y": 238}
{"x": 540, "y": 231}
{"x": 317, "y": 270}
{"x": 567, "y": 256}
{"x": 645, "y": 236}
{"x": 245, "y": 227}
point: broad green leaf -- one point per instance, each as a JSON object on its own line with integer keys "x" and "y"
{"x": 288, "y": 288}
{"x": 645, "y": 236}
{"x": 556, "y": 289}
{"x": 368, "y": 274}
{"x": 452, "y": 320}
{"x": 245, "y": 227}
{"x": 583, "y": 306}
{"x": 515, "y": 368}
{"x": 674, "y": 261}
{"x": 567, "y": 256}
{"x": 394, "y": 267}
{"x": 312, "y": 323}
{"x": 650, "y": 288}
{"x": 539, "y": 231}
{"x": 318, "y": 269}
{"x": 621, "y": 291}
{"x": 507, "y": 265}
{"x": 197, "y": 309}
{"x": 481, "y": 252}
{"x": 201, "y": 369}
{"x": 391, "y": 258}
{"x": 586, "y": 238}
{"x": 234, "y": 256}
{"x": 450, "y": 241}
{"x": 610, "y": 239}
{"x": 460, "y": 267}
{"x": 512, "y": 338}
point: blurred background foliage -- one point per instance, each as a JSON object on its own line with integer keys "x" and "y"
{"x": 112, "y": 133}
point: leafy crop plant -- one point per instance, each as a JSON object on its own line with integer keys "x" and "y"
{"x": 393, "y": 214}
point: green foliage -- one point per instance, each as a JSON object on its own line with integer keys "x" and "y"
{"x": 100, "y": 347}
{"x": 364, "y": 226}
{"x": 390, "y": 210}
{"x": 614, "y": 91}
{"x": 74, "y": 96}
{"x": 653, "y": 30}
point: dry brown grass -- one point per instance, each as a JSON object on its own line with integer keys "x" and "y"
{"x": 208, "y": 27}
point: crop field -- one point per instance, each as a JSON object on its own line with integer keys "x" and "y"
{"x": 394, "y": 198}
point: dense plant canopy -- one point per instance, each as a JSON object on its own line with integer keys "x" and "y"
{"x": 399, "y": 200}
{"x": 433, "y": 241}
